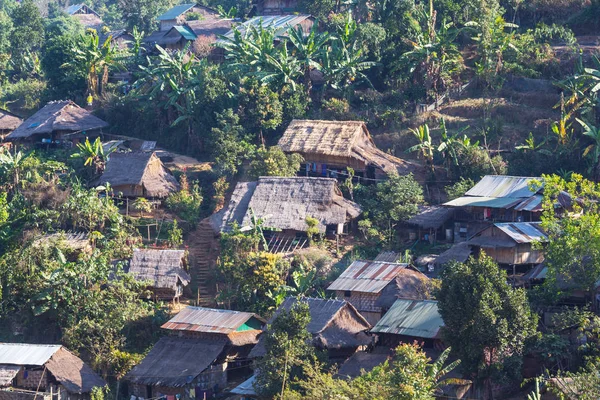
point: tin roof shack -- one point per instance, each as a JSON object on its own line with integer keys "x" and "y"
{"x": 285, "y": 203}
{"x": 330, "y": 146}
{"x": 44, "y": 368}
{"x": 57, "y": 121}
{"x": 206, "y": 348}
{"x": 372, "y": 287}
{"x": 138, "y": 174}
{"x": 496, "y": 198}
{"x": 84, "y": 14}
{"x": 336, "y": 326}
{"x": 181, "y": 13}
{"x": 8, "y": 122}
{"x": 432, "y": 223}
{"x": 164, "y": 269}
{"x": 511, "y": 243}
{"x": 408, "y": 321}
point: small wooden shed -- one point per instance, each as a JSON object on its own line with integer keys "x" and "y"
{"x": 165, "y": 269}
{"x": 138, "y": 174}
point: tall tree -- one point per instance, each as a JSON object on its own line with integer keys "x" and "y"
{"x": 486, "y": 320}
{"x": 28, "y": 31}
{"x": 142, "y": 13}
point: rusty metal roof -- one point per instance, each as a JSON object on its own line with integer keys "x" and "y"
{"x": 533, "y": 203}
{"x": 523, "y": 232}
{"x": 503, "y": 186}
{"x": 417, "y": 318}
{"x": 367, "y": 276}
{"x": 209, "y": 320}
{"x": 26, "y": 354}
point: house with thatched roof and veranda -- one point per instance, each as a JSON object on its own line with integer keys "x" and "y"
{"x": 205, "y": 349}
{"x": 8, "y": 122}
{"x": 138, "y": 174}
{"x": 163, "y": 269}
{"x": 56, "y": 122}
{"x": 372, "y": 286}
{"x": 335, "y": 325}
{"x": 330, "y": 147}
{"x": 30, "y": 371}
{"x": 284, "y": 204}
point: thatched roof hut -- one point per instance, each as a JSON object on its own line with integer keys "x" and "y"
{"x": 139, "y": 174}
{"x": 55, "y": 118}
{"x": 341, "y": 144}
{"x": 165, "y": 269}
{"x": 335, "y": 325}
{"x": 76, "y": 241}
{"x": 8, "y": 121}
{"x": 63, "y": 367}
{"x": 431, "y": 217}
{"x": 363, "y": 361}
{"x": 285, "y": 203}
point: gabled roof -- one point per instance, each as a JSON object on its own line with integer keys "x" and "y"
{"x": 210, "y": 320}
{"x": 133, "y": 169}
{"x": 431, "y": 217}
{"x": 8, "y": 120}
{"x": 186, "y": 32}
{"x": 164, "y": 268}
{"x": 176, "y": 361}
{"x": 408, "y": 284}
{"x": 285, "y": 203}
{"x": 342, "y": 139}
{"x": 210, "y": 26}
{"x": 75, "y": 8}
{"x": 103, "y": 37}
{"x": 459, "y": 252}
{"x": 176, "y": 11}
{"x": 523, "y": 232}
{"x": 367, "y": 276}
{"x": 63, "y": 115}
{"x": 280, "y": 23}
{"x": 417, "y": 318}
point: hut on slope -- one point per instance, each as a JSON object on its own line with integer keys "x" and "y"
{"x": 88, "y": 17}
{"x": 138, "y": 174}
{"x": 372, "y": 287}
{"x": 44, "y": 368}
{"x": 206, "y": 348}
{"x": 182, "y": 13}
{"x": 8, "y": 122}
{"x": 432, "y": 223}
{"x": 330, "y": 147}
{"x": 57, "y": 121}
{"x": 511, "y": 243}
{"x": 284, "y": 204}
{"x": 164, "y": 269}
{"x": 361, "y": 361}
{"x": 335, "y": 325}
{"x": 408, "y": 321}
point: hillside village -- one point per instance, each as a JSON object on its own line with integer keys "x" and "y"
{"x": 299, "y": 199}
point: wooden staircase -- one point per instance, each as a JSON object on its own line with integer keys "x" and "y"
{"x": 203, "y": 248}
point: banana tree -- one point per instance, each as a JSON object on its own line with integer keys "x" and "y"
{"x": 425, "y": 147}
{"x": 11, "y": 166}
{"x": 437, "y": 371}
{"x": 308, "y": 50}
{"x": 93, "y": 155}
{"x": 593, "y": 150}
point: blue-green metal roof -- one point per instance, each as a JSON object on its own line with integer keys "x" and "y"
{"x": 417, "y": 318}
{"x": 186, "y": 32}
{"x": 175, "y": 12}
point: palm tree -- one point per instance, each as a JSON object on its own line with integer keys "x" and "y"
{"x": 425, "y": 146}
{"x": 593, "y": 150}
{"x": 93, "y": 155}
{"x": 308, "y": 50}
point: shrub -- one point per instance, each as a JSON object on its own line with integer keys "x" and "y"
{"x": 459, "y": 188}
{"x": 186, "y": 202}
{"x": 273, "y": 161}
{"x": 475, "y": 162}
{"x": 24, "y": 94}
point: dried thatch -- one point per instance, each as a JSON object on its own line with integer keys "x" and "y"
{"x": 408, "y": 284}
{"x": 55, "y": 116}
{"x": 334, "y": 324}
{"x": 210, "y": 27}
{"x": 73, "y": 373}
{"x": 8, "y": 373}
{"x": 164, "y": 268}
{"x": 337, "y": 142}
{"x": 176, "y": 361}
{"x": 74, "y": 240}
{"x": 9, "y": 121}
{"x": 285, "y": 203}
{"x": 90, "y": 21}
{"x": 144, "y": 172}
{"x": 459, "y": 252}
{"x": 431, "y": 217}
{"x": 362, "y": 361}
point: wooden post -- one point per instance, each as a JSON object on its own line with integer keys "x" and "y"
{"x": 127, "y": 206}
{"x": 148, "y": 226}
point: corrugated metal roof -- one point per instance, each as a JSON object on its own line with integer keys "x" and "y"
{"x": 523, "y": 232}
{"x": 186, "y": 32}
{"x": 72, "y": 9}
{"x": 388, "y": 256}
{"x": 540, "y": 271}
{"x": 503, "y": 186}
{"x": 280, "y": 23}
{"x": 26, "y": 354}
{"x": 492, "y": 202}
{"x": 534, "y": 203}
{"x": 209, "y": 320}
{"x": 175, "y": 12}
{"x": 367, "y": 276}
{"x": 417, "y": 318}
{"x": 246, "y": 388}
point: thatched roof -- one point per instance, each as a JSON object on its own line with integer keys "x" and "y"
{"x": 363, "y": 361}
{"x": 90, "y": 21}
{"x": 408, "y": 284}
{"x": 334, "y": 324}
{"x": 211, "y": 320}
{"x": 431, "y": 217}
{"x": 139, "y": 169}
{"x": 73, "y": 373}
{"x": 63, "y": 115}
{"x": 73, "y": 240}
{"x": 317, "y": 140}
{"x": 8, "y": 120}
{"x": 164, "y": 268}
{"x": 176, "y": 361}
{"x": 8, "y": 373}
{"x": 459, "y": 252}
{"x": 210, "y": 27}
{"x": 285, "y": 203}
